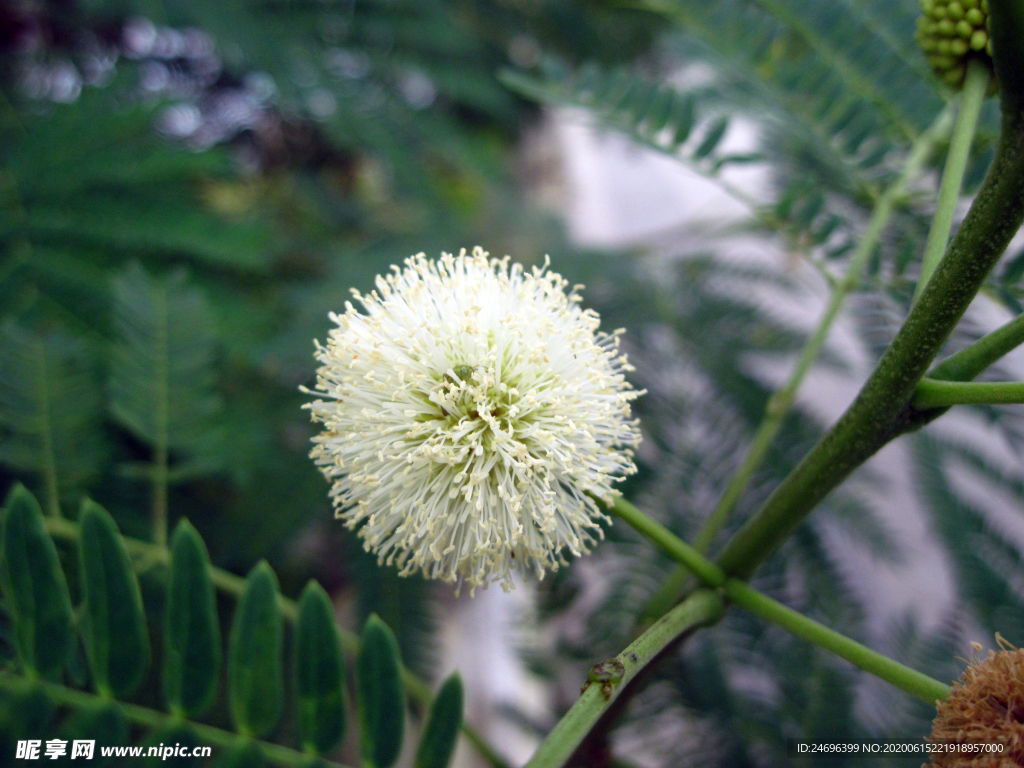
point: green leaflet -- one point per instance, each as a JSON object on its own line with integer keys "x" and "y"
{"x": 162, "y": 365}
{"x": 682, "y": 120}
{"x": 243, "y": 756}
{"x": 443, "y": 725}
{"x": 319, "y": 672}
{"x": 255, "y": 681}
{"x": 93, "y": 173}
{"x": 714, "y": 135}
{"x": 113, "y": 622}
{"x": 192, "y": 652}
{"x": 381, "y": 694}
{"x": 105, "y": 724}
{"x": 34, "y": 588}
{"x": 50, "y": 406}
{"x": 26, "y": 712}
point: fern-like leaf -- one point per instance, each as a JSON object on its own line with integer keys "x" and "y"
{"x": 50, "y": 406}
{"x": 162, "y": 373}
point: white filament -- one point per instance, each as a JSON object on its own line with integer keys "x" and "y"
{"x": 473, "y": 407}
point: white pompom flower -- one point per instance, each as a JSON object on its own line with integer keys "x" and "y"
{"x": 473, "y": 411}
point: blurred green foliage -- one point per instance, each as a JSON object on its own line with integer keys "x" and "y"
{"x": 158, "y": 298}
{"x": 188, "y": 188}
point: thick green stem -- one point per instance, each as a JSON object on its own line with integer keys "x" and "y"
{"x": 973, "y": 96}
{"x": 143, "y": 552}
{"x": 745, "y": 596}
{"x": 702, "y": 607}
{"x": 941, "y": 394}
{"x": 882, "y": 409}
{"x": 780, "y": 403}
{"x": 782, "y": 400}
{"x": 971, "y": 361}
{"x": 151, "y": 718}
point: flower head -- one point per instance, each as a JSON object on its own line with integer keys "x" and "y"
{"x": 950, "y": 33}
{"x": 473, "y": 409}
{"x": 981, "y": 723}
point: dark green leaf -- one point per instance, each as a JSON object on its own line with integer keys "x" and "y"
{"x": 381, "y": 695}
{"x": 811, "y": 208}
{"x": 105, "y": 724}
{"x": 319, "y": 672}
{"x": 243, "y": 756}
{"x": 826, "y": 229}
{"x": 162, "y": 371}
{"x": 682, "y": 119}
{"x": 34, "y": 589}
{"x": 50, "y": 406}
{"x": 113, "y": 622}
{"x": 255, "y": 680}
{"x": 627, "y": 95}
{"x": 25, "y": 713}
{"x": 638, "y": 101}
{"x": 442, "y": 729}
{"x": 659, "y": 111}
{"x": 77, "y": 667}
{"x": 192, "y": 653}
{"x": 711, "y": 138}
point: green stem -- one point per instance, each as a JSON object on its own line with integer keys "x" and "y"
{"x": 782, "y": 400}
{"x": 975, "y": 85}
{"x": 229, "y": 583}
{"x": 882, "y": 409}
{"x": 906, "y": 679}
{"x": 939, "y": 394}
{"x": 687, "y": 556}
{"x": 151, "y": 718}
{"x": 971, "y": 361}
{"x": 702, "y": 607}
{"x": 745, "y": 596}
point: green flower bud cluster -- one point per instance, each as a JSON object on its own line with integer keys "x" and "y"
{"x": 950, "y": 32}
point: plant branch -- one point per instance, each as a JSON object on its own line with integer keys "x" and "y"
{"x": 684, "y": 554}
{"x": 941, "y": 394}
{"x": 702, "y": 607}
{"x": 906, "y": 679}
{"x": 148, "y": 554}
{"x": 840, "y": 64}
{"x": 882, "y": 409}
{"x": 151, "y": 718}
{"x": 975, "y": 85}
{"x": 745, "y": 596}
{"x": 782, "y": 400}
{"x": 971, "y": 361}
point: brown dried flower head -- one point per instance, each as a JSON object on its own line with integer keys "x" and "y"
{"x": 985, "y": 708}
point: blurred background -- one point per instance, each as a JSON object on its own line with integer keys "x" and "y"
{"x": 190, "y": 187}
